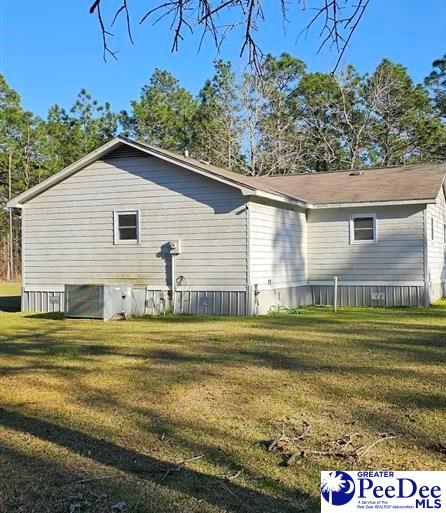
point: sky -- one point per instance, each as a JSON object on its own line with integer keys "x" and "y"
{"x": 51, "y": 49}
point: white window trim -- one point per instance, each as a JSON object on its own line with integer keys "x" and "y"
{"x": 116, "y": 239}
{"x": 352, "y": 229}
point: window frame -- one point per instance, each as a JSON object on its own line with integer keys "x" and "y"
{"x": 116, "y": 240}
{"x": 352, "y": 229}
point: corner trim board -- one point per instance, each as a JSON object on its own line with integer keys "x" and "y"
{"x": 426, "y": 259}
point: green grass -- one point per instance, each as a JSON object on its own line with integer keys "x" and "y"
{"x": 8, "y": 288}
{"x": 93, "y": 413}
{"x": 9, "y": 296}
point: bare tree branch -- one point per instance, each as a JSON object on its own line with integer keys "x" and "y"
{"x": 96, "y": 7}
{"x": 339, "y": 18}
{"x": 337, "y": 28}
{"x": 124, "y": 8}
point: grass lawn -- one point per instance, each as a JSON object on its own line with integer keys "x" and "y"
{"x": 95, "y": 414}
{"x": 9, "y": 288}
{"x": 9, "y": 296}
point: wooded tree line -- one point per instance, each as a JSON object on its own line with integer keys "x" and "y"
{"x": 282, "y": 120}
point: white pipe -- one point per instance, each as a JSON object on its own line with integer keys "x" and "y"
{"x": 174, "y": 298}
{"x": 335, "y": 293}
{"x": 256, "y": 299}
{"x": 146, "y": 301}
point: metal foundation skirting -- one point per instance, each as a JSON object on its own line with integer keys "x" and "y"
{"x": 211, "y": 302}
{"x": 370, "y": 295}
{"x": 42, "y": 301}
{"x": 194, "y": 302}
{"x": 203, "y": 302}
{"x": 153, "y": 302}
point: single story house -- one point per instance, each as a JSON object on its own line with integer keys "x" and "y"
{"x": 209, "y": 241}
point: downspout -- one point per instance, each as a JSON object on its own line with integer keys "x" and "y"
{"x": 175, "y": 249}
{"x": 251, "y": 291}
{"x": 426, "y": 259}
{"x": 173, "y": 285}
{"x": 146, "y": 301}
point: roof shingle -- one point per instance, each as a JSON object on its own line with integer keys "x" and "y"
{"x": 404, "y": 183}
{"x": 416, "y": 183}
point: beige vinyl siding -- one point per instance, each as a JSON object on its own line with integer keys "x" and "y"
{"x": 277, "y": 245}
{"x": 436, "y": 247}
{"x": 68, "y": 230}
{"x": 397, "y": 256}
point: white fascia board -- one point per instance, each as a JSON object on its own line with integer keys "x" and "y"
{"x": 19, "y": 200}
{"x": 279, "y": 199}
{"x": 374, "y": 204}
{"x": 22, "y": 198}
{"x": 177, "y": 162}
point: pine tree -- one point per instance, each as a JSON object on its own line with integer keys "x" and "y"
{"x": 403, "y": 124}
{"x": 17, "y": 141}
{"x": 280, "y": 133}
{"x": 218, "y": 130}
{"x": 163, "y": 115}
{"x": 436, "y": 82}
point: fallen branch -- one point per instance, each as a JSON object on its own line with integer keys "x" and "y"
{"x": 355, "y": 453}
{"x": 293, "y": 457}
{"x": 305, "y": 432}
{"x": 362, "y": 450}
{"x": 291, "y": 445}
{"x": 179, "y": 466}
{"x": 88, "y": 480}
{"x": 294, "y": 438}
{"x": 439, "y": 447}
{"x": 274, "y": 442}
{"x": 230, "y": 478}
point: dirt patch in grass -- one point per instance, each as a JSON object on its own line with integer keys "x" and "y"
{"x": 173, "y": 415}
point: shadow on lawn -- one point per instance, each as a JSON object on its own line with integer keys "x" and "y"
{"x": 25, "y": 488}
{"x": 9, "y": 303}
{"x": 192, "y": 483}
{"x": 412, "y": 343}
{"x": 407, "y": 420}
{"x": 51, "y": 316}
{"x": 385, "y": 355}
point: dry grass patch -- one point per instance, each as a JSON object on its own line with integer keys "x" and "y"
{"x": 173, "y": 415}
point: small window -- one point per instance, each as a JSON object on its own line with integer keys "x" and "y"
{"x": 432, "y": 229}
{"x": 363, "y": 229}
{"x": 126, "y": 226}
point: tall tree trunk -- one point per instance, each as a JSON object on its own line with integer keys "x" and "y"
{"x": 10, "y": 267}
{"x": 11, "y": 247}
